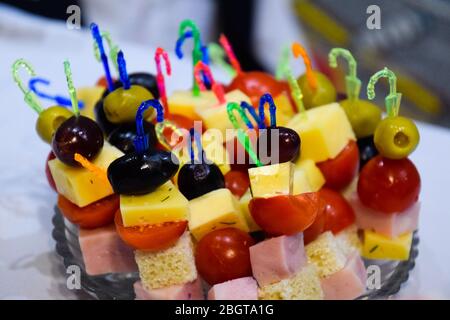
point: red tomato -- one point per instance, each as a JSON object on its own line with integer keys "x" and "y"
{"x": 150, "y": 237}
{"x": 337, "y": 211}
{"x": 224, "y": 255}
{"x": 389, "y": 185}
{"x": 97, "y": 214}
{"x": 341, "y": 170}
{"x": 285, "y": 214}
{"x": 237, "y": 181}
{"x": 256, "y": 83}
{"x": 50, "y": 179}
{"x": 318, "y": 226}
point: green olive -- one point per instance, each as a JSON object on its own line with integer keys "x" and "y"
{"x": 325, "y": 92}
{"x": 49, "y": 121}
{"x": 121, "y": 105}
{"x": 396, "y": 137}
{"x": 363, "y": 115}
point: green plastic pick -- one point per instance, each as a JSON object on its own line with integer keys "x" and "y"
{"x": 283, "y": 64}
{"x": 392, "y": 100}
{"x": 296, "y": 92}
{"x": 241, "y": 135}
{"x": 113, "y": 50}
{"x": 352, "y": 82}
{"x": 196, "y": 52}
{"x": 72, "y": 90}
{"x": 217, "y": 55}
{"x": 29, "y": 96}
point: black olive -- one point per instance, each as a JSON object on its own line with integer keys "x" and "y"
{"x": 197, "y": 179}
{"x": 123, "y": 136}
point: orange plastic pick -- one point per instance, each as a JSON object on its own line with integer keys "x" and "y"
{"x": 298, "y": 50}
{"x": 85, "y": 163}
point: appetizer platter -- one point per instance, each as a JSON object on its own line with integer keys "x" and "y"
{"x": 267, "y": 187}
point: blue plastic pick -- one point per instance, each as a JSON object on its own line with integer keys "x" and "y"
{"x": 267, "y": 98}
{"x": 98, "y": 38}
{"x": 60, "y": 100}
{"x": 141, "y": 140}
{"x": 193, "y": 134}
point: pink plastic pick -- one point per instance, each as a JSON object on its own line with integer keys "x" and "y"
{"x": 230, "y": 53}
{"x": 160, "y": 77}
{"x": 216, "y": 88}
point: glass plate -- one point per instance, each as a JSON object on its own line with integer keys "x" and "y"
{"x": 120, "y": 285}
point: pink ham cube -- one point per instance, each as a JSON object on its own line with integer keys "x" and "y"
{"x": 347, "y": 283}
{"x": 390, "y": 225}
{"x": 237, "y": 289}
{"x": 104, "y": 252}
{"x": 188, "y": 291}
{"x": 277, "y": 258}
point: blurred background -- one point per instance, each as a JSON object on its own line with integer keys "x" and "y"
{"x": 413, "y": 39}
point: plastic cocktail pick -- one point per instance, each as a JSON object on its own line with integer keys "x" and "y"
{"x": 193, "y": 134}
{"x": 352, "y": 83}
{"x": 29, "y": 96}
{"x": 392, "y": 100}
{"x": 230, "y": 53}
{"x": 113, "y": 49}
{"x": 98, "y": 38}
{"x": 196, "y": 52}
{"x": 160, "y": 52}
{"x": 141, "y": 140}
{"x": 216, "y": 87}
{"x": 267, "y": 98}
{"x": 161, "y": 127}
{"x": 298, "y": 51}
{"x": 296, "y": 92}
{"x": 123, "y": 71}
{"x": 85, "y": 163}
{"x": 241, "y": 135}
{"x": 217, "y": 55}
{"x": 283, "y": 64}
{"x": 72, "y": 91}
{"x": 250, "y": 109}
{"x": 59, "y": 100}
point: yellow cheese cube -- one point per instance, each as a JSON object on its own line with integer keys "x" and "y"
{"x": 377, "y": 246}
{"x": 90, "y": 96}
{"x": 216, "y": 116}
{"x": 79, "y": 185}
{"x": 217, "y": 209}
{"x": 243, "y": 202}
{"x": 185, "y": 103}
{"x": 165, "y": 204}
{"x": 276, "y": 179}
{"x": 285, "y": 112}
{"x": 300, "y": 182}
{"x": 324, "y": 132}
{"x": 315, "y": 177}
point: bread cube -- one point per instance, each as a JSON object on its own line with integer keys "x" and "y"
{"x": 173, "y": 266}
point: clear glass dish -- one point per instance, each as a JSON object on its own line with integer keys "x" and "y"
{"x": 120, "y": 285}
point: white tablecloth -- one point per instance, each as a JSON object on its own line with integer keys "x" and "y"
{"x": 29, "y": 267}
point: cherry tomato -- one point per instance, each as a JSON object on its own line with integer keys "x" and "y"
{"x": 101, "y": 82}
{"x": 341, "y": 170}
{"x": 223, "y": 255}
{"x": 318, "y": 226}
{"x": 285, "y": 214}
{"x": 150, "y": 237}
{"x": 48, "y": 173}
{"x": 389, "y": 185}
{"x": 237, "y": 181}
{"x": 337, "y": 211}
{"x": 97, "y": 214}
{"x": 256, "y": 83}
